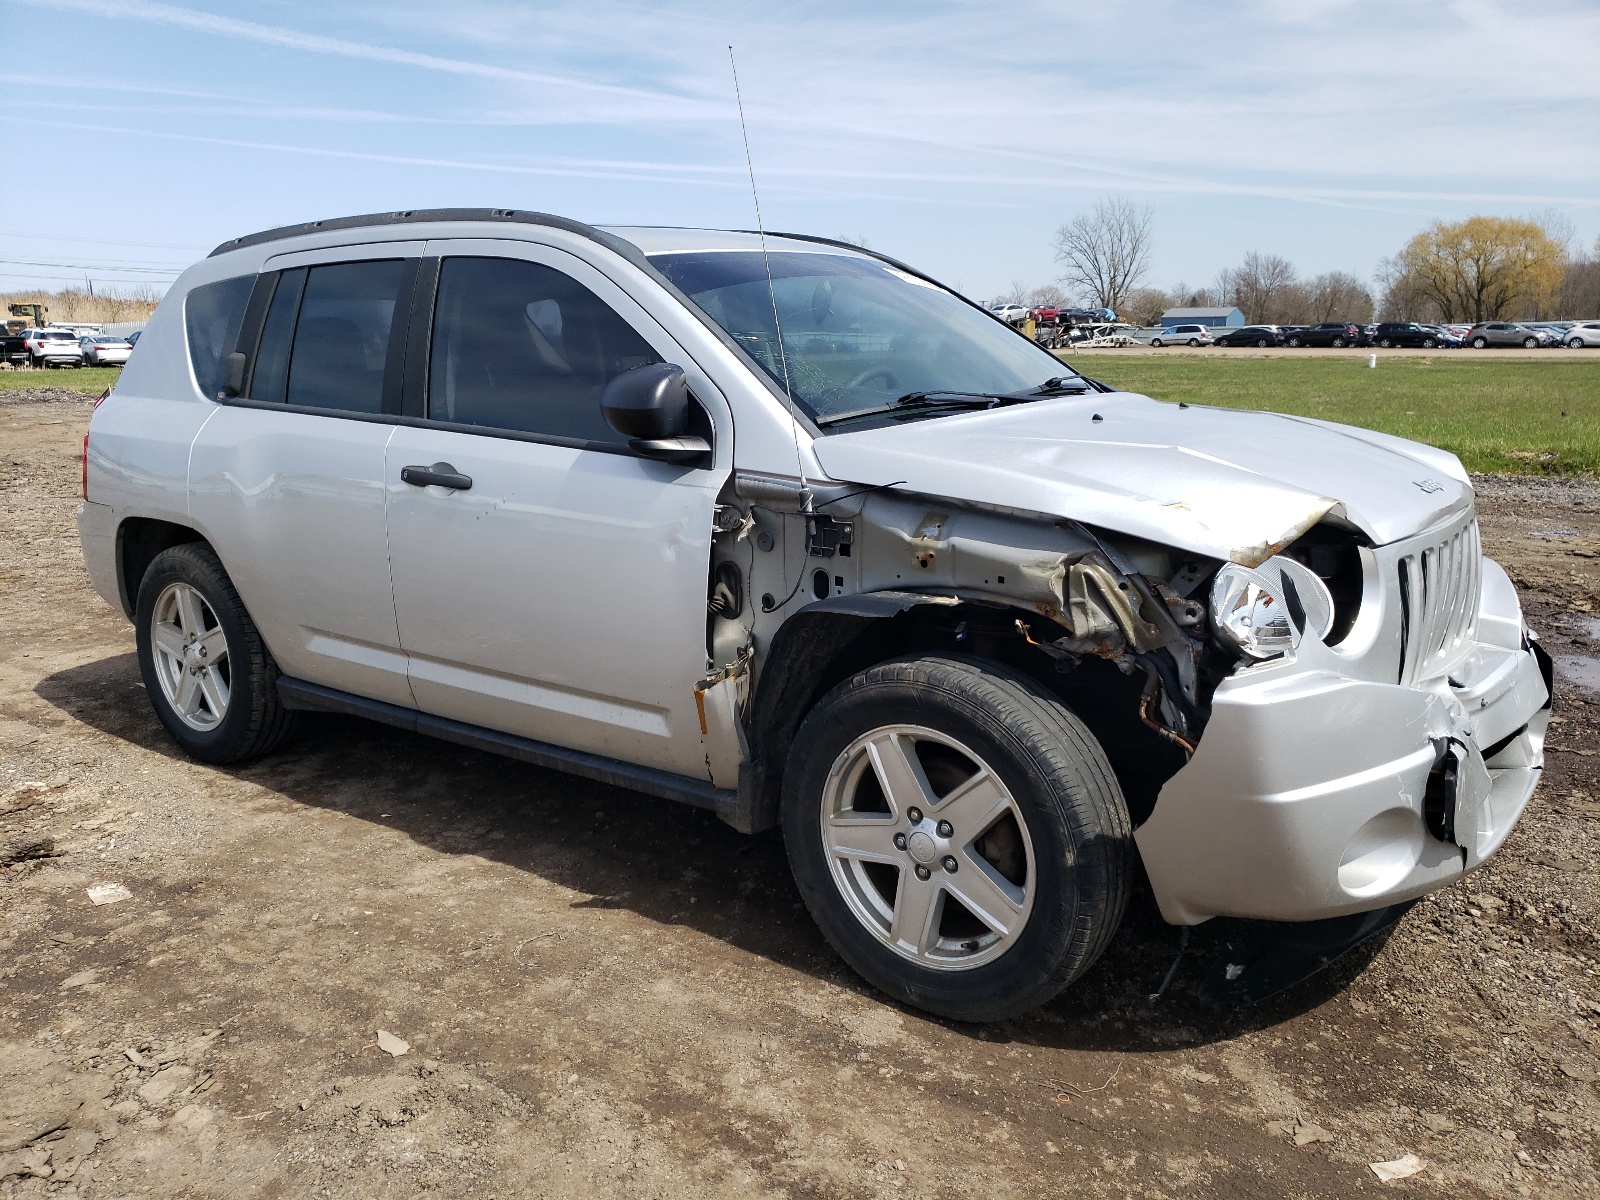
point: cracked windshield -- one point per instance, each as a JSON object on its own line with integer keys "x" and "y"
{"x": 858, "y": 334}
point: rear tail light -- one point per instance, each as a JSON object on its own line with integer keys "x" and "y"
{"x": 101, "y": 399}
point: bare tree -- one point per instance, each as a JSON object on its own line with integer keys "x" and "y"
{"x": 1264, "y": 286}
{"x": 1336, "y": 296}
{"x": 1104, "y": 254}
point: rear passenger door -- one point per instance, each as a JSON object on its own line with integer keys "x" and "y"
{"x": 286, "y": 480}
{"x": 562, "y": 596}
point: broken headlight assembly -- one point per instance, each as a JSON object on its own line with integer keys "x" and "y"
{"x": 1262, "y": 613}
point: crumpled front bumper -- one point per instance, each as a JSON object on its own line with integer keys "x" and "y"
{"x": 1308, "y": 795}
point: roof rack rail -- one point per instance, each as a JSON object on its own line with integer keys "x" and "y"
{"x": 427, "y": 215}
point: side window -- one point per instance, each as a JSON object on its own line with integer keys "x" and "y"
{"x": 523, "y": 347}
{"x": 325, "y": 342}
{"x": 212, "y": 314}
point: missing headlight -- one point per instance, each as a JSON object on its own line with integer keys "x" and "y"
{"x": 1333, "y": 553}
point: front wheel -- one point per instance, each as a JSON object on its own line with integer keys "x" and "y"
{"x": 1386, "y": 343}
{"x": 1294, "y": 342}
{"x": 1427, "y": 343}
{"x": 957, "y": 834}
{"x": 1479, "y": 343}
{"x": 210, "y": 677}
{"x": 1155, "y": 341}
{"x": 1575, "y": 344}
{"x": 1530, "y": 343}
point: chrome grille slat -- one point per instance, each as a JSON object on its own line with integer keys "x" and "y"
{"x": 1444, "y": 581}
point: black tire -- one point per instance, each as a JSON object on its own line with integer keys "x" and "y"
{"x": 1480, "y": 343}
{"x": 1337, "y": 343}
{"x": 1386, "y": 343}
{"x": 1155, "y": 341}
{"x": 1530, "y": 343}
{"x": 254, "y": 721}
{"x": 1260, "y": 342}
{"x": 1295, "y": 342}
{"x": 1065, "y": 796}
{"x": 1194, "y": 341}
{"x": 1427, "y": 343}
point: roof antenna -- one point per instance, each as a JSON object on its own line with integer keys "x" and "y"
{"x": 783, "y": 358}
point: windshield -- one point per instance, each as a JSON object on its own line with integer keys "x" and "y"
{"x": 858, "y": 334}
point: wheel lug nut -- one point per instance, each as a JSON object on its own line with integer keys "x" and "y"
{"x": 923, "y": 872}
{"x": 948, "y": 863}
{"x": 946, "y": 829}
{"x": 914, "y": 815}
{"x": 899, "y": 841}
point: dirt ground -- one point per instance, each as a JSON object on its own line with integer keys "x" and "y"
{"x": 610, "y": 995}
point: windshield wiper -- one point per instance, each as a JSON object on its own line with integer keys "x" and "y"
{"x": 934, "y": 400}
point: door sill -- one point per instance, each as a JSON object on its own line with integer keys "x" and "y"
{"x": 301, "y": 695}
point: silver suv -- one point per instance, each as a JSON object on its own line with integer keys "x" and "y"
{"x": 1504, "y": 333}
{"x": 831, "y": 550}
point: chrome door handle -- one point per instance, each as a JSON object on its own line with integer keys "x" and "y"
{"x": 441, "y": 474}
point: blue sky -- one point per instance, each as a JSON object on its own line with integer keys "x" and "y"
{"x": 956, "y": 136}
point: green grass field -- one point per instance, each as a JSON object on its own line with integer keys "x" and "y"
{"x": 92, "y": 380}
{"x": 1519, "y": 416}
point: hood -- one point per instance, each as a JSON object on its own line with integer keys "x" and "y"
{"x": 1225, "y": 483}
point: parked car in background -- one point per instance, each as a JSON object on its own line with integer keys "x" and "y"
{"x": 1326, "y": 333}
{"x": 1055, "y": 641}
{"x": 1555, "y": 331}
{"x": 1489, "y": 334}
{"x": 13, "y": 349}
{"x": 1011, "y": 314}
{"x": 1405, "y": 333}
{"x": 133, "y": 338}
{"x": 1583, "y": 334}
{"x": 1183, "y": 335}
{"x": 1448, "y": 338}
{"x": 1250, "y": 335}
{"x": 52, "y": 348}
{"x": 103, "y": 350}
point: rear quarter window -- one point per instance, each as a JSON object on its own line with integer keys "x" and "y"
{"x": 212, "y": 314}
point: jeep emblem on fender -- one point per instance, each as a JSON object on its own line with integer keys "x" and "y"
{"x": 1429, "y": 485}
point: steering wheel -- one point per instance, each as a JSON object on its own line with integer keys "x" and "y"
{"x": 871, "y": 373}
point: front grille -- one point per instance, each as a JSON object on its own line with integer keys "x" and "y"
{"x": 1439, "y": 587}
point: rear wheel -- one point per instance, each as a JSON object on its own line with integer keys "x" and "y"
{"x": 1194, "y": 341}
{"x": 1261, "y": 341}
{"x": 210, "y": 677}
{"x": 957, "y": 834}
{"x": 1337, "y": 343}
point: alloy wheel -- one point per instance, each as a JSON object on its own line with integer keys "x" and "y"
{"x": 191, "y": 657}
{"x": 928, "y": 847}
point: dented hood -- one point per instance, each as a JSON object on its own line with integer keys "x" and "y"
{"x": 1221, "y": 482}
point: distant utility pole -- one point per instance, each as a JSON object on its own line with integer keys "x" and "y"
{"x": 90, "y": 282}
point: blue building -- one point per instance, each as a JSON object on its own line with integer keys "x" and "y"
{"x": 1202, "y": 316}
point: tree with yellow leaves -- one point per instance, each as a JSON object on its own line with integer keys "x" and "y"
{"x": 1481, "y": 269}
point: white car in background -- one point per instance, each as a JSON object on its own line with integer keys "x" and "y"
{"x": 102, "y": 350}
{"x": 1183, "y": 335}
{"x": 790, "y": 531}
{"x": 1011, "y": 314}
{"x": 52, "y": 347}
{"x": 1583, "y": 334}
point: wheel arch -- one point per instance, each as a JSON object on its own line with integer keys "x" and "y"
{"x": 139, "y": 540}
{"x": 827, "y": 642}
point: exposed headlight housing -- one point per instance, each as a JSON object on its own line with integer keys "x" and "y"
{"x": 1263, "y": 613}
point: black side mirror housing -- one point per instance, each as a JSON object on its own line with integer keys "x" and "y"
{"x": 650, "y": 407}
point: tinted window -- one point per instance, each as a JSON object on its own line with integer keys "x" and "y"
{"x": 212, "y": 314}
{"x": 272, "y": 356}
{"x": 521, "y": 346}
{"x": 341, "y": 337}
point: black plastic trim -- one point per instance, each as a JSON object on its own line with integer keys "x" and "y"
{"x": 304, "y": 696}
{"x": 423, "y": 216}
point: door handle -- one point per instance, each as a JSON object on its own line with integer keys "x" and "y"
{"x": 441, "y": 474}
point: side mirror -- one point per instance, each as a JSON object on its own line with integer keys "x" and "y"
{"x": 650, "y": 407}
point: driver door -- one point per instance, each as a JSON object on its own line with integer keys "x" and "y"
{"x": 561, "y": 594}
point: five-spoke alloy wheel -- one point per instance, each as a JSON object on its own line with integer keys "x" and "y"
{"x": 210, "y": 676}
{"x": 928, "y": 847}
{"x": 957, "y": 833}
